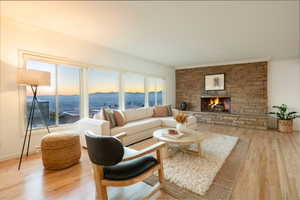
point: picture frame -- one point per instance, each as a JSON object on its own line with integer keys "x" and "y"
{"x": 214, "y": 82}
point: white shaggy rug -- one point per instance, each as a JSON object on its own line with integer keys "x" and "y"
{"x": 197, "y": 173}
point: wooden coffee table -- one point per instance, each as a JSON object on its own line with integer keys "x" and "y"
{"x": 187, "y": 139}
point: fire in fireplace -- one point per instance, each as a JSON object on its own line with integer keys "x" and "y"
{"x": 215, "y": 104}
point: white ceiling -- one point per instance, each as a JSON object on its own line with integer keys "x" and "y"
{"x": 173, "y": 33}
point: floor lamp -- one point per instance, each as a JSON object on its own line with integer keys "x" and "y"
{"x": 32, "y": 78}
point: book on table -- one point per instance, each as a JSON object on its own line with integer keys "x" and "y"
{"x": 174, "y": 136}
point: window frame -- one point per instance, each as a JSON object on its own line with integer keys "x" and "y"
{"x": 106, "y": 70}
{"x": 145, "y": 80}
{"x": 155, "y": 94}
{"x": 57, "y": 106}
{"x": 24, "y": 56}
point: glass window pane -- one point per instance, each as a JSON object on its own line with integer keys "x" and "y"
{"x": 134, "y": 91}
{"x": 103, "y": 90}
{"x": 155, "y": 88}
{"x": 68, "y": 91}
{"x": 46, "y": 96}
{"x": 152, "y": 91}
{"x": 159, "y": 91}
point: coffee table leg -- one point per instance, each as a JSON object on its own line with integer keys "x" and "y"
{"x": 199, "y": 149}
{"x": 164, "y": 152}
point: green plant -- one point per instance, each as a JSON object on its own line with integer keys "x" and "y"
{"x": 283, "y": 113}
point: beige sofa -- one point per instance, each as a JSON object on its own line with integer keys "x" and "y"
{"x": 140, "y": 125}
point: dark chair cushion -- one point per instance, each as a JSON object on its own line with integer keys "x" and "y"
{"x": 129, "y": 169}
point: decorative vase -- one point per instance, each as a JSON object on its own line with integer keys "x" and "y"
{"x": 285, "y": 126}
{"x": 180, "y": 127}
{"x": 183, "y": 106}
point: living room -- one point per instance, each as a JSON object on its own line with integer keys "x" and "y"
{"x": 202, "y": 95}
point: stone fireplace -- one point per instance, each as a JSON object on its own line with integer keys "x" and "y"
{"x": 243, "y": 102}
{"x": 216, "y": 104}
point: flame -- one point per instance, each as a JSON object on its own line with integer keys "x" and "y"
{"x": 214, "y": 102}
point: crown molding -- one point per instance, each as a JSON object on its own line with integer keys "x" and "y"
{"x": 264, "y": 59}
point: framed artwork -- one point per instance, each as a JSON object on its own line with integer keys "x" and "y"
{"x": 215, "y": 82}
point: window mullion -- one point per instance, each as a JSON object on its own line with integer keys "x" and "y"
{"x": 146, "y": 92}
{"x": 56, "y": 96}
{"x": 121, "y": 92}
{"x": 84, "y": 100}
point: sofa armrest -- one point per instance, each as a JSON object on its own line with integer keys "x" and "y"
{"x": 99, "y": 127}
{"x": 120, "y": 136}
{"x": 175, "y": 111}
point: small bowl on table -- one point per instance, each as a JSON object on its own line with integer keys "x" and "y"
{"x": 172, "y": 132}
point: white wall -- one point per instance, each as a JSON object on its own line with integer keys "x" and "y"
{"x": 16, "y": 36}
{"x": 284, "y": 85}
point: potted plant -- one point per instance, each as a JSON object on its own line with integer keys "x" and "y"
{"x": 285, "y": 118}
{"x": 181, "y": 119}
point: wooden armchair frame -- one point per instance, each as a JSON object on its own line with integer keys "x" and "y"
{"x": 102, "y": 183}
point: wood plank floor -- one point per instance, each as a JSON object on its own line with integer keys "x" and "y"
{"x": 271, "y": 171}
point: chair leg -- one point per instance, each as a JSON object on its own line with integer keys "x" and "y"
{"x": 101, "y": 191}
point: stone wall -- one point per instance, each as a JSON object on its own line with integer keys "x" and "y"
{"x": 238, "y": 120}
{"x": 246, "y": 84}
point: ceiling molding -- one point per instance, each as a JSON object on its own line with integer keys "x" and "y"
{"x": 265, "y": 59}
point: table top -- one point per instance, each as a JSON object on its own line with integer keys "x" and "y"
{"x": 188, "y": 138}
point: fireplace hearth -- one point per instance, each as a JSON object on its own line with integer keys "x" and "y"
{"x": 216, "y": 104}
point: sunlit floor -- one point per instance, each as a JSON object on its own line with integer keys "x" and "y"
{"x": 271, "y": 171}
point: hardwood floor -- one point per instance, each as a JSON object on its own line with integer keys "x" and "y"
{"x": 271, "y": 171}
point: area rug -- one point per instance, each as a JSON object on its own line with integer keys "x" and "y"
{"x": 211, "y": 177}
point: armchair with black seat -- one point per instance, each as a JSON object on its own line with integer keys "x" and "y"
{"x": 117, "y": 166}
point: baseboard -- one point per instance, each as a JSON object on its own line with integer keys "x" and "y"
{"x": 9, "y": 156}
{"x": 13, "y": 155}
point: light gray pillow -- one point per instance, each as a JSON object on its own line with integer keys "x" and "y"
{"x": 170, "y": 112}
{"x": 109, "y": 116}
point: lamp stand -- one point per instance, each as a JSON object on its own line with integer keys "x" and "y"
{"x": 34, "y": 104}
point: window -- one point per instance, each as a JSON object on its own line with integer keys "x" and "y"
{"x": 103, "y": 90}
{"x": 59, "y": 102}
{"x": 155, "y": 90}
{"x": 134, "y": 88}
{"x": 62, "y": 101}
{"x": 68, "y": 94}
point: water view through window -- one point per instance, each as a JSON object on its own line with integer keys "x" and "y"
{"x": 68, "y": 94}
{"x": 155, "y": 87}
{"x": 103, "y": 90}
{"x": 59, "y": 102}
{"x": 134, "y": 91}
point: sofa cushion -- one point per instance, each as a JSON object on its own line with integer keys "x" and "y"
{"x": 109, "y": 116}
{"x": 168, "y": 122}
{"x": 175, "y": 111}
{"x": 137, "y": 114}
{"x": 119, "y": 117}
{"x": 137, "y": 126}
{"x": 171, "y": 122}
{"x": 169, "y": 108}
{"x": 160, "y": 111}
{"x": 129, "y": 169}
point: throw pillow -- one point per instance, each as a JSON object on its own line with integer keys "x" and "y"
{"x": 119, "y": 117}
{"x": 170, "y": 113}
{"x": 160, "y": 111}
{"x": 109, "y": 116}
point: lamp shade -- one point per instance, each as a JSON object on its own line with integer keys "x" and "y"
{"x": 32, "y": 77}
